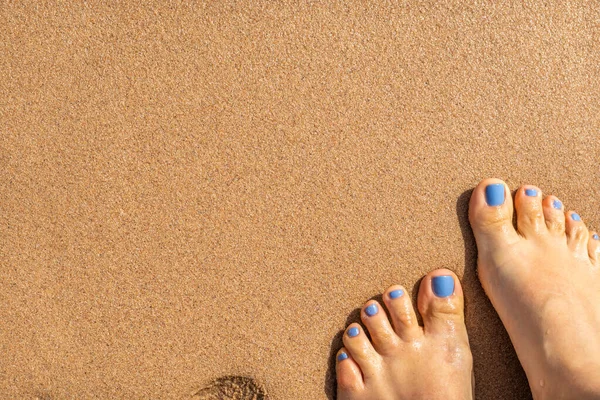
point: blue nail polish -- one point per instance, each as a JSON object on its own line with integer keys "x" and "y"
{"x": 557, "y": 204}
{"x": 575, "y": 217}
{"x": 595, "y": 236}
{"x": 353, "y": 332}
{"x": 443, "y": 286}
{"x": 342, "y": 356}
{"x": 494, "y": 194}
{"x": 371, "y": 310}
{"x": 394, "y": 294}
{"x": 531, "y": 192}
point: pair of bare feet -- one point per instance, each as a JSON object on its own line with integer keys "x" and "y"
{"x": 543, "y": 279}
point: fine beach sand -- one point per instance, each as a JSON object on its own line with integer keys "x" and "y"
{"x": 193, "y": 192}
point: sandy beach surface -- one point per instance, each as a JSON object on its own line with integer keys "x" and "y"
{"x": 197, "y": 191}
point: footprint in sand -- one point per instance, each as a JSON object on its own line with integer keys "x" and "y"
{"x": 232, "y": 387}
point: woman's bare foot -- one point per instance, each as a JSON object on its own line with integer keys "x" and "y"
{"x": 407, "y": 361}
{"x": 544, "y": 281}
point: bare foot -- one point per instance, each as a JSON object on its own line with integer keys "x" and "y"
{"x": 544, "y": 281}
{"x": 409, "y": 362}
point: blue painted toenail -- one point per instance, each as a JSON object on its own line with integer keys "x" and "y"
{"x": 595, "y": 236}
{"x": 342, "y": 356}
{"x": 531, "y": 192}
{"x": 494, "y": 194}
{"x": 394, "y": 294}
{"x": 371, "y": 310}
{"x": 353, "y": 332}
{"x": 443, "y": 286}
{"x": 557, "y": 204}
{"x": 575, "y": 217}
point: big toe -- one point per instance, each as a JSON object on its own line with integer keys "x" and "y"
{"x": 490, "y": 214}
{"x": 441, "y": 304}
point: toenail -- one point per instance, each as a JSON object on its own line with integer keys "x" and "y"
{"x": 531, "y": 192}
{"x": 494, "y": 194}
{"x": 575, "y": 217}
{"x": 443, "y": 286}
{"x": 595, "y": 236}
{"x": 371, "y": 310}
{"x": 557, "y": 204}
{"x": 342, "y": 356}
{"x": 394, "y": 294}
{"x": 353, "y": 332}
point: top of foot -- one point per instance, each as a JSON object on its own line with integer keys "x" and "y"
{"x": 543, "y": 278}
{"x": 402, "y": 360}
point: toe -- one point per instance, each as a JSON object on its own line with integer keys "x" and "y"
{"x": 490, "y": 214}
{"x": 441, "y": 303}
{"x": 594, "y": 248}
{"x": 382, "y": 335}
{"x": 360, "y": 348}
{"x": 402, "y": 313}
{"x": 530, "y": 214}
{"x": 577, "y": 234}
{"x": 349, "y": 377}
{"x": 554, "y": 215}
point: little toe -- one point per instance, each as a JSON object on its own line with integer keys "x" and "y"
{"x": 577, "y": 234}
{"x": 594, "y": 248}
{"x": 402, "y": 313}
{"x": 382, "y": 335}
{"x": 441, "y": 304}
{"x": 554, "y": 215}
{"x": 530, "y": 214}
{"x": 360, "y": 348}
{"x": 348, "y": 375}
{"x": 490, "y": 214}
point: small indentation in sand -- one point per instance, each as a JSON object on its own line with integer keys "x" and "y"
{"x": 232, "y": 387}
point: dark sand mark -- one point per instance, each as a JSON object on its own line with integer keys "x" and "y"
{"x": 232, "y": 387}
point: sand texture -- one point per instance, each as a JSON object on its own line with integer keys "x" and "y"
{"x": 195, "y": 191}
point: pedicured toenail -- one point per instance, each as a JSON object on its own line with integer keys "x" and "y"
{"x": 575, "y": 217}
{"x": 342, "y": 356}
{"x": 371, "y": 310}
{"x": 557, "y": 204}
{"x": 595, "y": 236}
{"x": 531, "y": 192}
{"x": 394, "y": 294}
{"x": 443, "y": 286}
{"x": 494, "y": 194}
{"x": 353, "y": 332}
